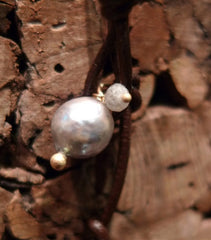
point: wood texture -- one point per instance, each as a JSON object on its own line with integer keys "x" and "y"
{"x": 46, "y": 48}
{"x": 61, "y": 45}
{"x": 169, "y": 165}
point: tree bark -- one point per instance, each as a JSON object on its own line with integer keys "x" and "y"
{"x": 46, "y": 49}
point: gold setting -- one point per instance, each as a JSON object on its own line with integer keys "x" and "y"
{"x": 99, "y": 95}
{"x": 58, "y": 161}
{"x": 126, "y": 97}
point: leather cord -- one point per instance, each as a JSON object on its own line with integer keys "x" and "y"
{"x": 117, "y": 49}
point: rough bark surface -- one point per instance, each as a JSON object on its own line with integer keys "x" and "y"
{"x": 46, "y": 49}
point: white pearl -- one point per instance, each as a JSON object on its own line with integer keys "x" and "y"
{"x": 117, "y": 97}
{"x": 82, "y": 127}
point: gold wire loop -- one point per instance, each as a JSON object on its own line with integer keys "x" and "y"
{"x": 99, "y": 95}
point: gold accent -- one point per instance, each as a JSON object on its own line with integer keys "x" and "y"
{"x": 126, "y": 97}
{"x": 99, "y": 95}
{"x": 58, "y": 161}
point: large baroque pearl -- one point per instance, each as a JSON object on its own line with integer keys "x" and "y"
{"x": 82, "y": 127}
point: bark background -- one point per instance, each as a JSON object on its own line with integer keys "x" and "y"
{"x": 46, "y": 48}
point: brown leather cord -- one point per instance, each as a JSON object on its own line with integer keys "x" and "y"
{"x": 115, "y": 10}
{"x": 98, "y": 227}
{"x": 121, "y": 58}
{"x": 121, "y": 166}
{"x": 92, "y": 80}
{"x": 123, "y": 74}
{"x": 116, "y": 48}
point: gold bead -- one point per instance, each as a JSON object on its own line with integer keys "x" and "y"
{"x": 58, "y": 161}
{"x": 126, "y": 97}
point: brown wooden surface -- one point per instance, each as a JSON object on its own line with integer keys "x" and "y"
{"x": 46, "y": 48}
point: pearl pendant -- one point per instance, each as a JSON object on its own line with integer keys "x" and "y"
{"x": 82, "y": 127}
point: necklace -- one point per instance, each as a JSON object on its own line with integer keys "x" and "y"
{"x": 83, "y": 127}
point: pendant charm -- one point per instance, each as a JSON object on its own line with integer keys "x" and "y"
{"x": 83, "y": 126}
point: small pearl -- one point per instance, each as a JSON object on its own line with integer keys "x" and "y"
{"x": 117, "y": 97}
{"x": 82, "y": 127}
{"x": 58, "y": 161}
